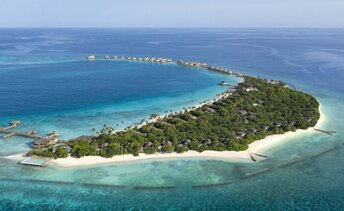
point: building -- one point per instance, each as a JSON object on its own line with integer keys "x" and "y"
{"x": 15, "y": 122}
{"x": 54, "y": 134}
{"x": 66, "y": 147}
{"x": 240, "y": 134}
{"x": 43, "y": 142}
{"x": 185, "y": 142}
{"x": 91, "y": 57}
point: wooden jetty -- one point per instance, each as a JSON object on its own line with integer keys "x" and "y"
{"x": 29, "y": 134}
{"x": 35, "y": 161}
{"x": 11, "y": 133}
{"x": 14, "y": 124}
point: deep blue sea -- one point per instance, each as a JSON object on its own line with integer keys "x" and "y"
{"x": 46, "y": 82}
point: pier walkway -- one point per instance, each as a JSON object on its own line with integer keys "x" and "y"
{"x": 10, "y": 133}
{"x": 35, "y": 161}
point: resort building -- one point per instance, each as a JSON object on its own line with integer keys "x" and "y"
{"x": 240, "y": 134}
{"x": 43, "y": 142}
{"x": 66, "y": 147}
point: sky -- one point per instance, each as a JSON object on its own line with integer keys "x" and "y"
{"x": 171, "y": 13}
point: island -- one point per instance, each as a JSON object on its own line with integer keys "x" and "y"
{"x": 250, "y": 111}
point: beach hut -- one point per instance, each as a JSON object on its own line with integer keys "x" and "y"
{"x": 206, "y": 141}
{"x": 185, "y": 142}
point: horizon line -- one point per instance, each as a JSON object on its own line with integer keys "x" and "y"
{"x": 169, "y": 27}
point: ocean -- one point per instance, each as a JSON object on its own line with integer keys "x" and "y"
{"x": 47, "y": 83}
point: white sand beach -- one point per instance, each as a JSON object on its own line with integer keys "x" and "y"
{"x": 259, "y": 146}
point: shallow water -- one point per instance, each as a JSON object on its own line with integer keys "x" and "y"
{"x": 297, "y": 174}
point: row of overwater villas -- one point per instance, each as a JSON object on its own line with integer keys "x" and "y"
{"x": 144, "y": 59}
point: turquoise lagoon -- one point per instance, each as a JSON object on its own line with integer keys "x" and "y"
{"x": 46, "y": 83}
{"x": 74, "y": 97}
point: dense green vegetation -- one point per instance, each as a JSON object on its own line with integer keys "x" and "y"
{"x": 254, "y": 110}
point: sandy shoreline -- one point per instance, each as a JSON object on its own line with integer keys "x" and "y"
{"x": 259, "y": 146}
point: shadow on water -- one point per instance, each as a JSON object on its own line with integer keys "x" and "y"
{"x": 211, "y": 185}
{"x": 255, "y": 173}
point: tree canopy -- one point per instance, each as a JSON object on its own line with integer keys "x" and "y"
{"x": 230, "y": 123}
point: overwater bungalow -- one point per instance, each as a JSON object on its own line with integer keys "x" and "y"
{"x": 15, "y": 122}
{"x": 91, "y": 57}
{"x": 31, "y": 131}
{"x": 54, "y": 134}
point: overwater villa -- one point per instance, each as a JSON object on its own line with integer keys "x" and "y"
{"x": 220, "y": 70}
{"x": 145, "y": 59}
{"x": 91, "y": 57}
{"x": 168, "y": 60}
{"x": 193, "y": 64}
{"x": 54, "y": 134}
{"x": 15, "y": 122}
